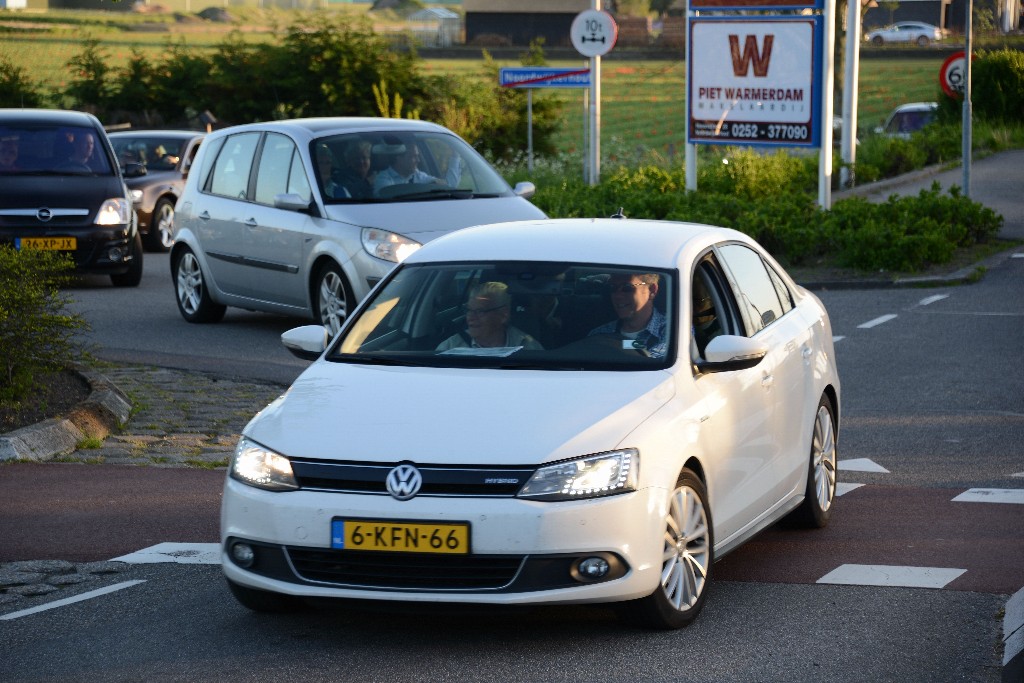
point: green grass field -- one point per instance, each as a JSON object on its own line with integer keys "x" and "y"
{"x": 642, "y": 103}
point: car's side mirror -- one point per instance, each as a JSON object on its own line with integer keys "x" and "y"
{"x": 525, "y": 189}
{"x": 291, "y": 202}
{"x": 728, "y": 352}
{"x": 306, "y": 342}
{"x": 134, "y": 170}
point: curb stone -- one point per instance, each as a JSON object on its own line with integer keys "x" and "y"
{"x": 105, "y": 410}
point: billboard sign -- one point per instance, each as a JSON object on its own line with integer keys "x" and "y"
{"x": 712, "y": 5}
{"x": 755, "y": 81}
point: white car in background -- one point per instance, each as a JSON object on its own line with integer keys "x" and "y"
{"x": 909, "y": 118}
{"x": 271, "y": 219}
{"x": 572, "y": 462}
{"x": 917, "y": 32}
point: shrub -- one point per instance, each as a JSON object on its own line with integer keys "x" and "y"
{"x": 36, "y": 334}
{"x": 16, "y": 88}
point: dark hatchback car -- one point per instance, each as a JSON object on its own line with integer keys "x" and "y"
{"x": 61, "y": 189}
{"x": 165, "y": 157}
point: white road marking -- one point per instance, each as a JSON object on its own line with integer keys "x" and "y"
{"x": 991, "y": 496}
{"x": 877, "y": 321}
{"x": 1018, "y": 255}
{"x": 839, "y": 338}
{"x": 842, "y": 488}
{"x": 68, "y": 601}
{"x": 180, "y": 553}
{"x": 1013, "y": 627}
{"x": 884, "y": 575}
{"x": 933, "y": 299}
{"x": 861, "y": 465}
{"x": 1017, "y": 474}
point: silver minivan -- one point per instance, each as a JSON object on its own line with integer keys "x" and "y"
{"x": 303, "y": 217}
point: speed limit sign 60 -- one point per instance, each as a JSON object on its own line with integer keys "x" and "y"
{"x": 952, "y": 75}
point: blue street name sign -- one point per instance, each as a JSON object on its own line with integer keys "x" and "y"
{"x": 544, "y": 77}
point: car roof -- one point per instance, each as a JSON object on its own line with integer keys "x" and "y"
{"x": 655, "y": 244}
{"x": 310, "y": 128}
{"x": 916, "y": 106}
{"x": 56, "y": 117}
{"x": 180, "y": 134}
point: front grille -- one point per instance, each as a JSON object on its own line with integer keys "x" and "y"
{"x": 406, "y": 571}
{"x": 438, "y": 480}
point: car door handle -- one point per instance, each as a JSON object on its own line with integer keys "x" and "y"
{"x": 767, "y": 381}
{"x": 806, "y": 352}
{"x": 251, "y": 223}
{"x": 205, "y": 215}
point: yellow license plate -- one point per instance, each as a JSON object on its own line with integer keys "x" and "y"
{"x": 402, "y": 537}
{"x": 48, "y": 243}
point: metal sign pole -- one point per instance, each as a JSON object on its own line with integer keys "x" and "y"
{"x": 691, "y": 148}
{"x": 967, "y": 132}
{"x": 848, "y": 137}
{"x": 828, "y": 81}
{"x": 529, "y": 129}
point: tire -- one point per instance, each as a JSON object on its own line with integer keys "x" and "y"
{"x": 922, "y": 41}
{"x": 816, "y": 510}
{"x": 332, "y": 298}
{"x": 159, "y": 237}
{"x": 265, "y": 601}
{"x": 191, "y": 292}
{"x": 688, "y": 544}
{"x": 878, "y": 40}
{"x": 133, "y": 276}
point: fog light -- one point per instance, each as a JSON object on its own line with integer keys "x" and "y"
{"x": 243, "y": 554}
{"x": 593, "y": 568}
{"x": 115, "y": 254}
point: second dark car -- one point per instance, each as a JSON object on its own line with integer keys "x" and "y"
{"x": 164, "y": 157}
{"x": 61, "y": 189}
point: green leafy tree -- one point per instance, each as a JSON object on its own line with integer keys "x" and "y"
{"x": 89, "y": 88}
{"x": 37, "y": 335}
{"x": 16, "y": 87}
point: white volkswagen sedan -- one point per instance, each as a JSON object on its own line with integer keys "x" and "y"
{"x": 543, "y": 412}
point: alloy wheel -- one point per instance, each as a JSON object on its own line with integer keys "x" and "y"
{"x": 823, "y": 451}
{"x": 687, "y": 553}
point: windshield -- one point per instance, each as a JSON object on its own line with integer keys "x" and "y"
{"x": 397, "y": 167}
{"x": 52, "y": 150}
{"x": 513, "y": 315}
{"x": 157, "y": 153}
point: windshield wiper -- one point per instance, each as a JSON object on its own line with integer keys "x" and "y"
{"x": 376, "y": 360}
{"x": 439, "y": 193}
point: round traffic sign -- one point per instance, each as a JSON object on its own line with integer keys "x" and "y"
{"x": 952, "y": 75}
{"x": 593, "y": 33}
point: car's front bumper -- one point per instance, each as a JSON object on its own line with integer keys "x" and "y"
{"x": 522, "y": 551}
{"x": 95, "y": 245}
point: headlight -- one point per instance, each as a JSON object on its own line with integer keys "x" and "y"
{"x": 596, "y": 475}
{"x": 388, "y": 245}
{"x": 256, "y": 466}
{"x": 114, "y": 212}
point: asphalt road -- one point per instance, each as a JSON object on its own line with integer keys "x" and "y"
{"x": 932, "y": 409}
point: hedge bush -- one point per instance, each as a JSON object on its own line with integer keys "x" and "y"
{"x": 904, "y": 234}
{"x": 37, "y": 335}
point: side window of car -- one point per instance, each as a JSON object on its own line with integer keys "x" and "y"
{"x": 782, "y": 289}
{"x": 280, "y": 170}
{"x": 231, "y": 170}
{"x": 756, "y": 293}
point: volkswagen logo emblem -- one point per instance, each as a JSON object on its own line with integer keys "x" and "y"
{"x": 404, "y": 482}
{"x": 44, "y": 215}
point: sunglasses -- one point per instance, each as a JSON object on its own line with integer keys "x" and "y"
{"x": 626, "y": 288}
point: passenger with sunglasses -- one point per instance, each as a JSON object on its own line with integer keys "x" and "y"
{"x": 639, "y": 324}
{"x": 488, "y": 311}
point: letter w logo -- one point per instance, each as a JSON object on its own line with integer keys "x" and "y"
{"x": 741, "y": 63}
